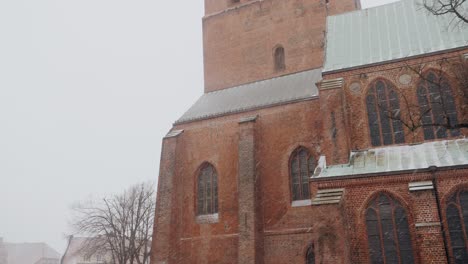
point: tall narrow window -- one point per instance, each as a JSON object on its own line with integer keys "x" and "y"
{"x": 279, "y": 58}
{"x": 437, "y": 106}
{"x": 207, "y": 190}
{"x": 388, "y": 232}
{"x": 302, "y": 166}
{"x": 383, "y": 112}
{"x": 310, "y": 257}
{"x": 457, "y": 220}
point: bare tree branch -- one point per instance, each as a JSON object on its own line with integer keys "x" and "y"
{"x": 443, "y": 7}
{"x": 120, "y": 226}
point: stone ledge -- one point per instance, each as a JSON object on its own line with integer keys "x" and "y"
{"x": 301, "y": 203}
{"x": 328, "y": 196}
{"x": 428, "y": 224}
{"x": 248, "y": 119}
{"x": 420, "y": 186}
{"x": 207, "y": 219}
{"x": 331, "y": 84}
{"x": 174, "y": 133}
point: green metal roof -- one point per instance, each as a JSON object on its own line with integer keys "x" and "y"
{"x": 447, "y": 153}
{"x": 390, "y": 32}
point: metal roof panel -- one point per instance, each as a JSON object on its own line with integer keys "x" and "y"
{"x": 280, "y": 90}
{"x": 389, "y": 32}
{"x": 446, "y": 153}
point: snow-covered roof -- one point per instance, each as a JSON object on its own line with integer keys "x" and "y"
{"x": 280, "y": 90}
{"x": 447, "y": 153}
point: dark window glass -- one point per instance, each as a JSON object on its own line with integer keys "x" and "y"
{"x": 310, "y": 255}
{"x": 279, "y": 58}
{"x": 437, "y": 106}
{"x": 383, "y": 113}
{"x": 388, "y": 232}
{"x": 302, "y": 166}
{"x": 207, "y": 190}
{"x": 457, "y": 221}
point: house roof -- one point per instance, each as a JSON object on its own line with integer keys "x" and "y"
{"x": 389, "y": 32}
{"x": 447, "y": 153}
{"x": 22, "y": 253}
{"x": 261, "y": 94}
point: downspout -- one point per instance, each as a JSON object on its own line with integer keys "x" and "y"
{"x": 433, "y": 170}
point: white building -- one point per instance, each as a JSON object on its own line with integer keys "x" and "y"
{"x": 75, "y": 253}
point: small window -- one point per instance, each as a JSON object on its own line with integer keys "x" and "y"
{"x": 437, "y": 106}
{"x": 279, "y": 59}
{"x": 207, "y": 190}
{"x": 302, "y": 166}
{"x": 310, "y": 257}
{"x": 383, "y": 113}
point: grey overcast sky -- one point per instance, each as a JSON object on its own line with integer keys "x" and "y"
{"x": 87, "y": 90}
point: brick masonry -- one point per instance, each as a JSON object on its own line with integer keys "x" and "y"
{"x": 256, "y": 222}
{"x": 239, "y": 39}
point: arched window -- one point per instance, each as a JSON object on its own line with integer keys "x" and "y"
{"x": 279, "y": 58}
{"x": 457, "y": 220}
{"x": 302, "y": 166}
{"x": 207, "y": 190}
{"x": 437, "y": 106}
{"x": 383, "y": 112}
{"x": 388, "y": 232}
{"x": 310, "y": 256}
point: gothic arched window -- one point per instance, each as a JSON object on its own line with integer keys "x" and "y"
{"x": 310, "y": 256}
{"x": 437, "y": 106}
{"x": 388, "y": 232}
{"x": 279, "y": 58}
{"x": 383, "y": 112}
{"x": 457, "y": 220}
{"x": 207, "y": 190}
{"x": 302, "y": 166}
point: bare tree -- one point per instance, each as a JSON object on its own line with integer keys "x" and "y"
{"x": 458, "y": 8}
{"x": 120, "y": 226}
{"x": 434, "y": 107}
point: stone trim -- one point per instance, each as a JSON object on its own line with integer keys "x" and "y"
{"x": 428, "y": 224}
{"x": 465, "y": 56}
{"x": 328, "y": 196}
{"x": 212, "y": 236}
{"x": 301, "y": 203}
{"x": 420, "y": 186}
{"x": 291, "y": 231}
{"x": 207, "y": 219}
{"x": 331, "y": 84}
{"x": 248, "y": 119}
{"x": 174, "y": 133}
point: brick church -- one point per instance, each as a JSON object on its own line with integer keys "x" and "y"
{"x": 326, "y": 134}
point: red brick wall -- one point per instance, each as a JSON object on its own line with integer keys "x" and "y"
{"x": 239, "y": 43}
{"x": 354, "y": 99}
{"x": 421, "y": 206}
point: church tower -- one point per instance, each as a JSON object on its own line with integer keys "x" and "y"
{"x": 296, "y": 153}
{"x": 225, "y": 193}
{"x": 250, "y": 40}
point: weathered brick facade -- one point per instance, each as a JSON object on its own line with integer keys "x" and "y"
{"x": 250, "y": 150}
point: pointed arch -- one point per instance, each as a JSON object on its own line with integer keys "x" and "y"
{"x": 310, "y": 255}
{"x": 279, "y": 58}
{"x": 436, "y": 105}
{"x": 301, "y": 168}
{"x": 383, "y": 112}
{"x": 456, "y": 214}
{"x": 388, "y": 231}
{"x": 207, "y": 190}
